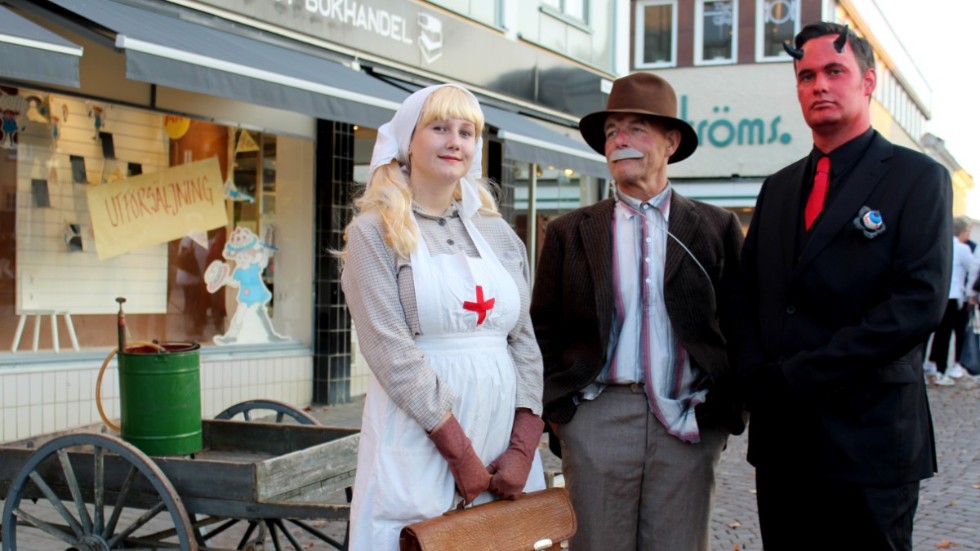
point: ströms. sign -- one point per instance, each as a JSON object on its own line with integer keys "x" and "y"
{"x": 726, "y": 131}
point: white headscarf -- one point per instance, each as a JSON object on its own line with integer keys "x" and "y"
{"x": 394, "y": 138}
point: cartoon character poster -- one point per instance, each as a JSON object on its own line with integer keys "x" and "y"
{"x": 250, "y": 255}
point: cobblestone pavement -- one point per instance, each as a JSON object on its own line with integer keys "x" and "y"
{"x": 948, "y": 516}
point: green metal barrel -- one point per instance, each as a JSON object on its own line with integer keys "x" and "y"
{"x": 160, "y": 398}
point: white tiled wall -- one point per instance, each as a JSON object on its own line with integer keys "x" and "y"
{"x": 36, "y": 400}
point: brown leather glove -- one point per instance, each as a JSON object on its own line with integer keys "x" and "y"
{"x": 468, "y": 471}
{"x": 510, "y": 470}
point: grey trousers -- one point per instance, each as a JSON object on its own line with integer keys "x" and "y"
{"x": 634, "y": 486}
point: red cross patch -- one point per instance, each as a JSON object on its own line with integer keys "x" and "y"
{"x": 481, "y": 306}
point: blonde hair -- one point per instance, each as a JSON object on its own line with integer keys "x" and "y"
{"x": 388, "y": 191}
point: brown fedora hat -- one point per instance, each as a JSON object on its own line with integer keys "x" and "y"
{"x": 642, "y": 94}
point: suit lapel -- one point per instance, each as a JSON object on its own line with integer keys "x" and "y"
{"x": 840, "y": 215}
{"x": 596, "y": 234}
{"x": 790, "y": 219}
{"x": 683, "y": 223}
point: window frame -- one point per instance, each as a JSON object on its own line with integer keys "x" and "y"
{"x": 639, "y": 36}
{"x": 498, "y": 16}
{"x": 760, "y": 26}
{"x": 559, "y": 10}
{"x": 699, "y": 35}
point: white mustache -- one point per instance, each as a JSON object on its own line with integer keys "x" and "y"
{"x": 627, "y": 153}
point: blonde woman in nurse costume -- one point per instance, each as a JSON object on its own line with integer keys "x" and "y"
{"x": 437, "y": 285}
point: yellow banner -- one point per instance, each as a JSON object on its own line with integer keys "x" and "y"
{"x": 158, "y": 207}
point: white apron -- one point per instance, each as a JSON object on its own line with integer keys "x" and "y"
{"x": 401, "y": 477}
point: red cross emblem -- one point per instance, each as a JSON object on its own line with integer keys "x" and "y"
{"x": 481, "y": 306}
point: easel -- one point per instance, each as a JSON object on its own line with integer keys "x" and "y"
{"x": 38, "y": 314}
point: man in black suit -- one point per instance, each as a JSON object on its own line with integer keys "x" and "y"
{"x": 846, "y": 275}
{"x": 633, "y": 308}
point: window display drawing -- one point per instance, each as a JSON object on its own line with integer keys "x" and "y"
{"x": 251, "y": 322}
{"x": 244, "y": 144}
{"x": 13, "y": 109}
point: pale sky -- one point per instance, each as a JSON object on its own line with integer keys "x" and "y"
{"x": 940, "y": 36}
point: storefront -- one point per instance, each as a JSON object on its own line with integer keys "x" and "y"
{"x": 166, "y": 155}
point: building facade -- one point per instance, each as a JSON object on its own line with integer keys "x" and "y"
{"x": 148, "y": 145}
{"x": 261, "y": 114}
{"x": 736, "y": 87}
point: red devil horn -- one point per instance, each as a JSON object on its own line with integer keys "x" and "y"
{"x": 795, "y": 53}
{"x": 841, "y": 40}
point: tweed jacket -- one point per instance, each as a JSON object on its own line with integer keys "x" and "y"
{"x": 572, "y": 305}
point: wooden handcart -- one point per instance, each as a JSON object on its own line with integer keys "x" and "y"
{"x": 259, "y": 479}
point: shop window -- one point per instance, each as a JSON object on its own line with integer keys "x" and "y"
{"x": 105, "y": 201}
{"x": 656, "y": 37}
{"x": 715, "y": 31}
{"x": 557, "y": 191}
{"x": 777, "y": 21}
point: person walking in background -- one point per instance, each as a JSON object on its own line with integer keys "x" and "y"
{"x": 953, "y": 324}
{"x": 847, "y": 271}
{"x": 971, "y": 365}
{"x": 633, "y": 307}
{"x": 437, "y": 286}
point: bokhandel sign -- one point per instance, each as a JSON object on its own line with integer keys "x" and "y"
{"x": 397, "y": 30}
{"x": 440, "y": 43}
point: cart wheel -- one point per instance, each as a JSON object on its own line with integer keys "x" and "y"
{"x": 93, "y": 492}
{"x": 258, "y": 410}
{"x": 254, "y": 533}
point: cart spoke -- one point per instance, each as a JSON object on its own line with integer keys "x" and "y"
{"x": 143, "y": 519}
{"x": 98, "y": 466}
{"x": 61, "y": 532}
{"x": 156, "y": 537}
{"x": 316, "y": 533}
{"x": 248, "y": 534}
{"x": 56, "y": 503}
{"x": 76, "y": 492}
{"x": 274, "y": 534}
{"x": 213, "y": 532}
{"x": 275, "y": 524}
{"x": 120, "y": 502}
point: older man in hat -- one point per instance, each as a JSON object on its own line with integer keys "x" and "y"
{"x": 633, "y": 308}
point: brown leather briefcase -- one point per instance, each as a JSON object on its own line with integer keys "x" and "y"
{"x": 535, "y": 521}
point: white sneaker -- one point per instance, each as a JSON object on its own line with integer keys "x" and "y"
{"x": 945, "y": 380}
{"x": 929, "y": 368}
{"x": 956, "y": 371}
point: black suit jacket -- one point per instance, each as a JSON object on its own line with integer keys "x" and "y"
{"x": 572, "y": 306}
{"x": 832, "y": 332}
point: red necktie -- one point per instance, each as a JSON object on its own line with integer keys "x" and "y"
{"x": 821, "y": 181}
